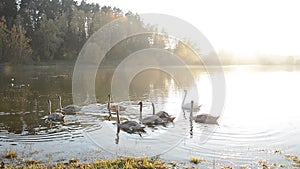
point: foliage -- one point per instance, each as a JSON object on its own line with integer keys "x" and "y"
{"x": 45, "y": 30}
{"x": 49, "y": 38}
{"x": 3, "y": 39}
{"x": 8, "y": 10}
{"x": 14, "y": 45}
{"x": 185, "y": 52}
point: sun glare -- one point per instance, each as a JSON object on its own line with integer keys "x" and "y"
{"x": 244, "y": 28}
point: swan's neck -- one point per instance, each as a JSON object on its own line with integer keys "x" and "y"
{"x": 141, "y": 112}
{"x": 118, "y": 118}
{"x": 108, "y": 102}
{"x": 185, "y": 93}
{"x": 59, "y": 103}
{"x": 153, "y": 108}
{"x": 109, "y": 106}
{"x": 49, "y": 107}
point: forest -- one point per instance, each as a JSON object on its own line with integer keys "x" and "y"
{"x": 33, "y": 31}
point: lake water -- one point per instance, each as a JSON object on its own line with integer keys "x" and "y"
{"x": 260, "y": 121}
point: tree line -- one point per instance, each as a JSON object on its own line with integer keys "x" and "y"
{"x": 44, "y": 30}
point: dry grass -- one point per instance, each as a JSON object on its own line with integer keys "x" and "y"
{"x": 122, "y": 163}
{"x": 128, "y": 163}
{"x": 196, "y": 160}
{"x": 11, "y": 154}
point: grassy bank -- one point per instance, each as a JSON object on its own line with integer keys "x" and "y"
{"x": 140, "y": 163}
{"x": 144, "y": 163}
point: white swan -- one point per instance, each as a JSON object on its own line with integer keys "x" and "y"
{"x": 54, "y": 116}
{"x": 187, "y": 106}
{"x": 151, "y": 120}
{"x": 129, "y": 126}
{"x": 67, "y": 109}
{"x": 163, "y": 115}
{"x": 203, "y": 118}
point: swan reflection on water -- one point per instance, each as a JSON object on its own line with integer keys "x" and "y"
{"x": 131, "y": 127}
{"x": 201, "y": 118}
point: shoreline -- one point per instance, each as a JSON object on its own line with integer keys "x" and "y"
{"x": 12, "y": 160}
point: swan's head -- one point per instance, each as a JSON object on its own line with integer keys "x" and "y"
{"x": 49, "y": 102}
{"x": 108, "y": 96}
{"x": 140, "y": 103}
{"x": 59, "y": 97}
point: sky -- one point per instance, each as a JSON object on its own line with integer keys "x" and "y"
{"x": 245, "y": 28}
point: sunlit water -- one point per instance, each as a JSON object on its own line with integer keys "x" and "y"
{"x": 260, "y": 121}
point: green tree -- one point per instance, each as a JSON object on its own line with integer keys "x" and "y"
{"x": 50, "y": 39}
{"x": 77, "y": 34}
{"x": 62, "y": 25}
{"x": 14, "y": 45}
{"x": 4, "y": 32}
{"x": 19, "y": 48}
{"x": 29, "y": 10}
{"x": 8, "y": 9}
{"x": 57, "y": 29}
{"x": 187, "y": 51}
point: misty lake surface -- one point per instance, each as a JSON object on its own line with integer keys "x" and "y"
{"x": 260, "y": 120}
